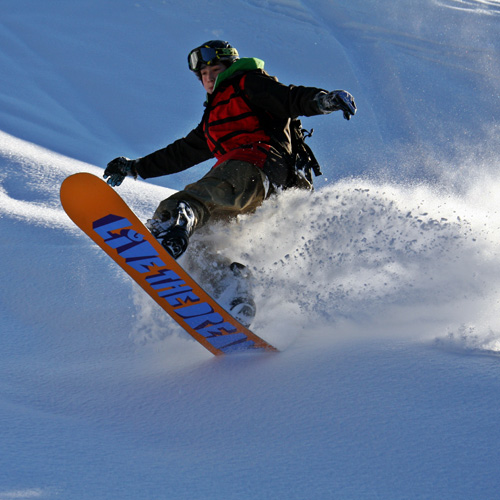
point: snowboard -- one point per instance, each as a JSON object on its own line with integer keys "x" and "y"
{"x": 98, "y": 210}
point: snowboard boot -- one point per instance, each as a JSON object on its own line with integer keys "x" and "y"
{"x": 242, "y": 306}
{"x": 173, "y": 234}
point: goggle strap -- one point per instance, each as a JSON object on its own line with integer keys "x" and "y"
{"x": 227, "y": 52}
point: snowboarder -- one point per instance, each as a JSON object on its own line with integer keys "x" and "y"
{"x": 247, "y": 127}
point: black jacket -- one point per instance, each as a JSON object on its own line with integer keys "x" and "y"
{"x": 276, "y": 104}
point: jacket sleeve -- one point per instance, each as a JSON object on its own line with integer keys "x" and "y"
{"x": 283, "y": 101}
{"x": 176, "y": 157}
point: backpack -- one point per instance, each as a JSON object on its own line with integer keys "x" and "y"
{"x": 302, "y": 163}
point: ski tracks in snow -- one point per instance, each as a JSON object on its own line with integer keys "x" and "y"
{"x": 369, "y": 254}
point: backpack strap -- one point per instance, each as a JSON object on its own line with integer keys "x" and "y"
{"x": 305, "y": 161}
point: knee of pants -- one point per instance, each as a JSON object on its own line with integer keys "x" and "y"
{"x": 234, "y": 185}
{"x": 232, "y": 188}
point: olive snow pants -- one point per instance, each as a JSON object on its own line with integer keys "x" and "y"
{"x": 233, "y": 187}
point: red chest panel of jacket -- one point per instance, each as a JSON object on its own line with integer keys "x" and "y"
{"x": 232, "y": 129}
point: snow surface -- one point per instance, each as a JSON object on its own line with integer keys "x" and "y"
{"x": 380, "y": 289}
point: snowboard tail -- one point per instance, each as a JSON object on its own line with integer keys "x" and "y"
{"x": 104, "y": 216}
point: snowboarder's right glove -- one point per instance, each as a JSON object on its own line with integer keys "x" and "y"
{"x": 118, "y": 169}
{"x": 335, "y": 101}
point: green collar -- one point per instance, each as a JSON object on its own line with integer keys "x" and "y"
{"x": 244, "y": 64}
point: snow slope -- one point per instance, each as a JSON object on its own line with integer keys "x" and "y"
{"x": 380, "y": 289}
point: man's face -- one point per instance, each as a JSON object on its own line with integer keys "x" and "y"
{"x": 209, "y": 75}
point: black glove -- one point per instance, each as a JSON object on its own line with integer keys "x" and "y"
{"x": 118, "y": 169}
{"x": 336, "y": 100}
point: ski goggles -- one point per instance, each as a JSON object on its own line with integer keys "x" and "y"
{"x": 208, "y": 55}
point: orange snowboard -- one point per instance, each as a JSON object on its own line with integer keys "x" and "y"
{"x": 100, "y": 212}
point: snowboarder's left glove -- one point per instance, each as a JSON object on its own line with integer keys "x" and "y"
{"x": 118, "y": 169}
{"x": 336, "y": 100}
